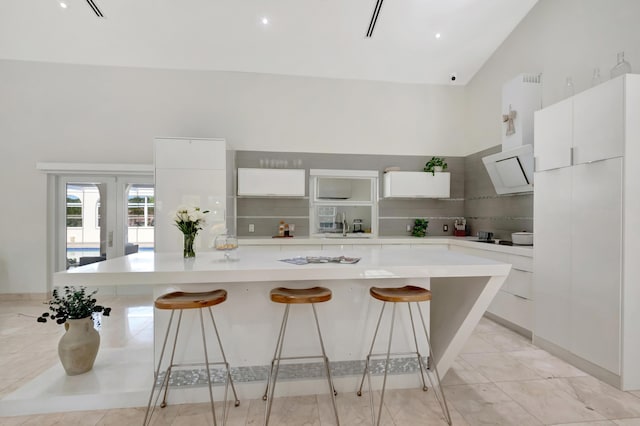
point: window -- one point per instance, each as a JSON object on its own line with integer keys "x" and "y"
{"x": 74, "y": 211}
{"x": 141, "y": 210}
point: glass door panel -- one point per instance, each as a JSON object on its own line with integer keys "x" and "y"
{"x": 101, "y": 217}
{"x": 87, "y": 237}
{"x": 140, "y": 218}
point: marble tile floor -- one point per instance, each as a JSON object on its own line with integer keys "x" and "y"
{"x": 498, "y": 379}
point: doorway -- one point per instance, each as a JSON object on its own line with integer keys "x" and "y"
{"x": 102, "y": 217}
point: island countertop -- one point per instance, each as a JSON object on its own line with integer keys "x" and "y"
{"x": 462, "y": 286}
{"x": 267, "y": 265}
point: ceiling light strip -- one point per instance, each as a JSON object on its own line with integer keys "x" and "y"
{"x": 374, "y": 17}
{"x": 95, "y": 8}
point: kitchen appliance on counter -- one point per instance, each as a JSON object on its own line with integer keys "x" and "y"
{"x": 460, "y": 228}
{"x": 485, "y": 237}
{"x": 357, "y": 226}
{"x": 522, "y": 238}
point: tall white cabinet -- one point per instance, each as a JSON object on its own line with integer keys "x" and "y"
{"x": 586, "y": 211}
{"x": 189, "y": 172}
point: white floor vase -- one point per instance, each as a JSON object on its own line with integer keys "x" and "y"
{"x": 78, "y": 347}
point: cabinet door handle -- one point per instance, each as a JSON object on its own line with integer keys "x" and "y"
{"x": 572, "y": 150}
{"x": 520, "y": 297}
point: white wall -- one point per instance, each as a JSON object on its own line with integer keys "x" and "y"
{"x": 53, "y": 112}
{"x": 560, "y": 38}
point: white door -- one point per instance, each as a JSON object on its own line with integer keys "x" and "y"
{"x": 596, "y": 262}
{"x": 95, "y": 216}
{"x": 552, "y": 255}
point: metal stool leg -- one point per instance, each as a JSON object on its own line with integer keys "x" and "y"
{"x": 332, "y": 389}
{"x": 170, "y": 368}
{"x": 441, "y": 398}
{"x": 386, "y": 367}
{"x": 165, "y": 381}
{"x": 366, "y": 367}
{"x": 415, "y": 340}
{"x": 224, "y": 358}
{"x": 206, "y": 361}
{"x": 271, "y": 388}
{"x": 275, "y": 352}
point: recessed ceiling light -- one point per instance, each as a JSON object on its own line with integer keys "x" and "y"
{"x": 63, "y": 4}
{"x": 265, "y": 21}
{"x": 437, "y": 35}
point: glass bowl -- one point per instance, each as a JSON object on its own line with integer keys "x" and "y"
{"x": 227, "y": 244}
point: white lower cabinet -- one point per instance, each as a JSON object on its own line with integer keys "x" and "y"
{"x": 596, "y": 265}
{"x": 514, "y": 301}
{"x": 515, "y": 309}
{"x": 578, "y": 279}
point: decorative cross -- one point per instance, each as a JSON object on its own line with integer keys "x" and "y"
{"x": 508, "y": 118}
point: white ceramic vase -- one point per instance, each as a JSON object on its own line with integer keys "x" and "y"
{"x": 78, "y": 347}
{"x": 437, "y": 169}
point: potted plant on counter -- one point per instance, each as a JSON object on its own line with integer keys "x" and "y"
{"x": 420, "y": 228}
{"x": 75, "y": 308}
{"x": 436, "y": 164}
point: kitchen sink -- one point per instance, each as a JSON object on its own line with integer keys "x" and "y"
{"x": 349, "y": 235}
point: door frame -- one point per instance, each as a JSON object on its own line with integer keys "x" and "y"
{"x": 133, "y": 172}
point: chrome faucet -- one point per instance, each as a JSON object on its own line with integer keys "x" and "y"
{"x": 345, "y": 225}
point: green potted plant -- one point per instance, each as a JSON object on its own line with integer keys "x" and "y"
{"x": 420, "y": 228}
{"x": 75, "y": 308}
{"x": 436, "y": 164}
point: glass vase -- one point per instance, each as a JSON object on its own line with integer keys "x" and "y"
{"x": 188, "y": 245}
{"x": 622, "y": 67}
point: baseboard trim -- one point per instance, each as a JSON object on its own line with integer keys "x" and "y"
{"x": 581, "y": 363}
{"x": 520, "y": 330}
{"x": 16, "y": 297}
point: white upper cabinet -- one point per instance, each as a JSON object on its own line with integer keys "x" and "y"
{"x": 271, "y": 182}
{"x": 417, "y": 185}
{"x": 189, "y": 172}
{"x": 553, "y": 136}
{"x": 582, "y": 129}
{"x": 598, "y": 122}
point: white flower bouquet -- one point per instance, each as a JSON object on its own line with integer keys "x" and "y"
{"x": 189, "y": 220}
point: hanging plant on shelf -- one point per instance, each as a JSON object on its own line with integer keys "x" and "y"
{"x": 436, "y": 164}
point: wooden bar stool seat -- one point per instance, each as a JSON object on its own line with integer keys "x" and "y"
{"x": 179, "y": 301}
{"x": 297, "y": 296}
{"x": 183, "y": 300}
{"x": 409, "y": 293}
{"x": 300, "y": 295}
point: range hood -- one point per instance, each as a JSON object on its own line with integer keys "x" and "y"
{"x": 511, "y": 171}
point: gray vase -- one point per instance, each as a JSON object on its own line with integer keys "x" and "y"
{"x": 78, "y": 347}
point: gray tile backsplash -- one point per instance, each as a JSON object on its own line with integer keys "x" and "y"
{"x": 472, "y": 196}
{"x": 487, "y": 211}
{"x": 394, "y": 215}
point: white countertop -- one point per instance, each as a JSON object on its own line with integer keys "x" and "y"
{"x": 447, "y": 240}
{"x": 255, "y": 265}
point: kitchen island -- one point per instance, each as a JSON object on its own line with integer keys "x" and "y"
{"x": 462, "y": 286}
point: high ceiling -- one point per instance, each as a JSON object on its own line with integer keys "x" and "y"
{"x": 324, "y": 38}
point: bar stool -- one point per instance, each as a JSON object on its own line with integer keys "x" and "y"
{"x": 406, "y": 294}
{"x": 290, "y": 296}
{"x": 179, "y": 301}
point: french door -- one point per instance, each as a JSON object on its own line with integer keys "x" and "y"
{"x": 101, "y": 217}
